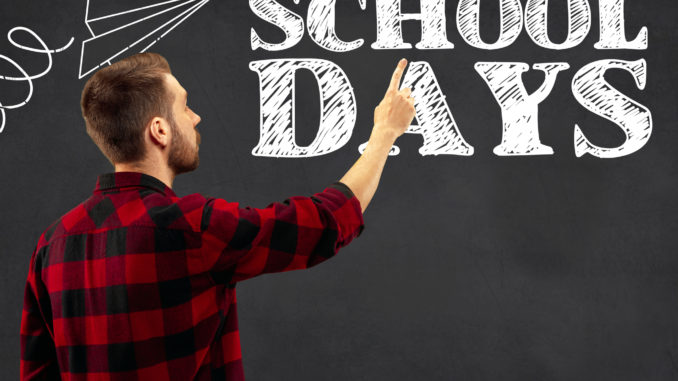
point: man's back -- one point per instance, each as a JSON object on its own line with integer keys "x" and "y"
{"x": 137, "y": 283}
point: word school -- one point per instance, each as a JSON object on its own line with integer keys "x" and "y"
{"x": 436, "y": 124}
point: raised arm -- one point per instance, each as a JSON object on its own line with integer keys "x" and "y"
{"x": 300, "y": 232}
{"x": 391, "y": 118}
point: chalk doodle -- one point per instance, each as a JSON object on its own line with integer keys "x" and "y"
{"x": 25, "y": 77}
{"x": 113, "y": 27}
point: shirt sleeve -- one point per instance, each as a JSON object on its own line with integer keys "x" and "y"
{"x": 38, "y": 352}
{"x": 297, "y": 233}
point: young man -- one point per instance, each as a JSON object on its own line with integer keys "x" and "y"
{"x": 137, "y": 283}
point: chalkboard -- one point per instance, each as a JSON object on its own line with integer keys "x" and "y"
{"x": 551, "y": 256}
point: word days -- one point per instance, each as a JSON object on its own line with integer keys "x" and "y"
{"x": 435, "y": 122}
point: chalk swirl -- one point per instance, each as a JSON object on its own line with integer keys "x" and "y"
{"x": 25, "y": 77}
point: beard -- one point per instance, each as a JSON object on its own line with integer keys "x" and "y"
{"x": 183, "y": 156}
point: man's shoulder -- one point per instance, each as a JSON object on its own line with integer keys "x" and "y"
{"x": 57, "y": 228}
{"x": 125, "y": 209}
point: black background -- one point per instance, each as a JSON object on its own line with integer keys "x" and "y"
{"x": 469, "y": 268}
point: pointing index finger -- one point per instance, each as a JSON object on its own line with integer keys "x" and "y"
{"x": 395, "y": 80}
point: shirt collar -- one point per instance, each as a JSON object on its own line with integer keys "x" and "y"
{"x": 116, "y": 180}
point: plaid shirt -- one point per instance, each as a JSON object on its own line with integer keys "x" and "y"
{"x": 136, "y": 283}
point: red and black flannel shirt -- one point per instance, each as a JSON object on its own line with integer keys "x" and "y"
{"x": 136, "y": 283}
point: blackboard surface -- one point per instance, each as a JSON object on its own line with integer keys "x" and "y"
{"x": 481, "y": 267}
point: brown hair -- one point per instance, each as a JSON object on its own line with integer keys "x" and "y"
{"x": 119, "y": 100}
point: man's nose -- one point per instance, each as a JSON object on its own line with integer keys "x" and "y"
{"x": 196, "y": 118}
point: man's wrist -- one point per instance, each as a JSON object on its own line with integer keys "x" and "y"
{"x": 381, "y": 134}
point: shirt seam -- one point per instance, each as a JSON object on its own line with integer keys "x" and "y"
{"x": 62, "y": 236}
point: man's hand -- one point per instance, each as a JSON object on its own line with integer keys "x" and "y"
{"x": 391, "y": 118}
{"x": 396, "y": 111}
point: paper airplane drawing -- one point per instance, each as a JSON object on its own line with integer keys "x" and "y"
{"x": 119, "y": 27}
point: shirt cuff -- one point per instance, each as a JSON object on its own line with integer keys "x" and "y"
{"x": 355, "y": 218}
{"x": 343, "y": 188}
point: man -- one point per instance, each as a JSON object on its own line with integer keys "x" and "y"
{"x": 137, "y": 283}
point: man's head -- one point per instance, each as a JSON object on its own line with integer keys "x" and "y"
{"x": 136, "y": 111}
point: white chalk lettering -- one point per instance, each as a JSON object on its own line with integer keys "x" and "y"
{"x": 321, "y": 26}
{"x": 579, "y": 21}
{"x": 612, "y": 30}
{"x": 433, "y": 25}
{"x": 592, "y": 90}
{"x": 276, "y": 89}
{"x": 435, "y": 121}
{"x": 468, "y": 23}
{"x": 290, "y": 23}
{"x": 519, "y": 110}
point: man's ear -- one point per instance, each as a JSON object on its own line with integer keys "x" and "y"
{"x": 159, "y": 131}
